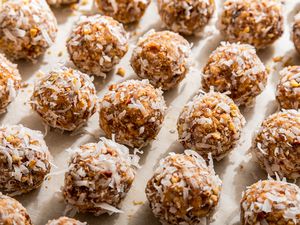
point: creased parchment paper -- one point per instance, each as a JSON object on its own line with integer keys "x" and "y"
{"x": 237, "y": 170}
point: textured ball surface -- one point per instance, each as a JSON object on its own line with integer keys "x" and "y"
{"x": 183, "y": 189}
{"x": 65, "y": 221}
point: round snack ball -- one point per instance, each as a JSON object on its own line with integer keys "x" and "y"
{"x": 58, "y": 3}
{"x": 124, "y": 11}
{"x": 99, "y": 176}
{"x": 24, "y": 159}
{"x": 183, "y": 189}
{"x": 97, "y": 43}
{"x": 210, "y": 124}
{"x": 276, "y": 145}
{"x": 162, "y": 57}
{"x": 65, "y": 221}
{"x": 132, "y": 112}
{"x": 296, "y": 32}
{"x": 12, "y": 212}
{"x": 65, "y": 99}
{"x": 235, "y": 68}
{"x": 10, "y": 82}
{"x": 271, "y": 202}
{"x": 255, "y": 22}
{"x": 288, "y": 89}
{"x": 187, "y": 17}
{"x": 27, "y": 28}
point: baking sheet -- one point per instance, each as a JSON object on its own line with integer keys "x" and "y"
{"x": 237, "y": 170}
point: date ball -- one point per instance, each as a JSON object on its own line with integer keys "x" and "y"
{"x": 132, "y": 112}
{"x": 237, "y": 70}
{"x": 256, "y": 22}
{"x": 24, "y": 159}
{"x": 124, "y": 11}
{"x": 12, "y": 212}
{"x": 58, "y": 3}
{"x": 296, "y": 32}
{"x": 99, "y": 176}
{"x": 183, "y": 189}
{"x": 162, "y": 57}
{"x": 10, "y": 82}
{"x": 210, "y": 124}
{"x": 276, "y": 146}
{"x": 27, "y": 28}
{"x": 288, "y": 89}
{"x": 65, "y": 221}
{"x": 65, "y": 99}
{"x": 96, "y": 44}
{"x": 271, "y": 202}
{"x": 187, "y": 17}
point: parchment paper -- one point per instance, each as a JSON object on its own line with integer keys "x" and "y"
{"x": 237, "y": 170}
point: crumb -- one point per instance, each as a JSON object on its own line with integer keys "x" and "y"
{"x": 138, "y": 202}
{"x": 121, "y": 72}
{"x": 84, "y": 2}
{"x": 60, "y": 54}
{"x": 241, "y": 167}
{"x": 172, "y": 131}
{"x": 24, "y": 85}
{"x": 277, "y": 59}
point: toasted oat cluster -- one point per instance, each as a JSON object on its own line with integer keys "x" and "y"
{"x": 132, "y": 112}
{"x": 162, "y": 57}
{"x": 65, "y": 221}
{"x": 27, "y": 28}
{"x": 10, "y": 82}
{"x": 12, "y": 212}
{"x": 65, "y": 99}
{"x": 236, "y": 69}
{"x": 124, "y": 11}
{"x": 271, "y": 202}
{"x": 97, "y": 43}
{"x": 210, "y": 124}
{"x": 187, "y": 17}
{"x": 276, "y": 145}
{"x": 288, "y": 89}
{"x": 183, "y": 189}
{"x": 58, "y": 3}
{"x": 24, "y": 159}
{"x": 296, "y": 32}
{"x": 255, "y": 22}
{"x": 99, "y": 176}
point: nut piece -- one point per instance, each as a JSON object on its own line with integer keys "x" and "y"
{"x": 162, "y": 57}
{"x": 24, "y": 159}
{"x": 271, "y": 202}
{"x": 236, "y": 69}
{"x": 65, "y": 99}
{"x": 288, "y": 89}
{"x": 10, "y": 82}
{"x": 59, "y": 3}
{"x": 255, "y": 22}
{"x": 187, "y": 17}
{"x": 183, "y": 189}
{"x": 124, "y": 11}
{"x": 65, "y": 221}
{"x": 210, "y": 123}
{"x": 96, "y": 44}
{"x": 276, "y": 145}
{"x": 132, "y": 112}
{"x": 12, "y": 212}
{"x": 27, "y": 28}
{"x": 99, "y": 176}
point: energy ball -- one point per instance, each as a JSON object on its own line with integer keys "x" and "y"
{"x": 288, "y": 89}
{"x": 236, "y": 69}
{"x": 296, "y": 32}
{"x": 183, "y": 189}
{"x": 124, "y": 11}
{"x": 187, "y": 17}
{"x": 97, "y": 43}
{"x": 12, "y": 212}
{"x": 99, "y": 177}
{"x": 24, "y": 159}
{"x": 255, "y": 22}
{"x": 276, "y": 145}
{"x": 27, "y": 28}
{"x": 65, "y": 221}
{"x": 65, "y": 99}
{"x": 58, "y": 3}
{"x": 10, "y": 82}
{"x": 271, "y": 202}
{"x": 132, "y": 112}
{"x": 210, "y": 124}
{"x": 162, "y": 57}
